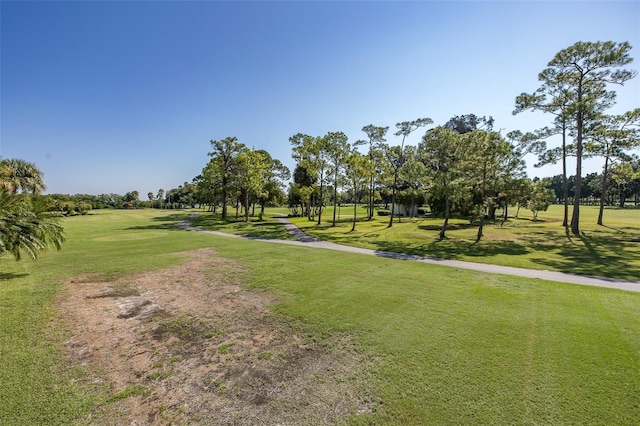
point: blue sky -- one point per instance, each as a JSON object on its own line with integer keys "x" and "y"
{"x": 115, "y": 96}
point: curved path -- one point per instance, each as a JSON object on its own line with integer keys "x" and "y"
{"x": 306, "y": 240}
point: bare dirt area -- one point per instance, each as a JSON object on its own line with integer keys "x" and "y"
{"x": 191, "y": 344}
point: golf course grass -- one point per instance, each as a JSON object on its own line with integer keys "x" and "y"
{"x": 445, "y": 346}
{"x": 612, "y": 250}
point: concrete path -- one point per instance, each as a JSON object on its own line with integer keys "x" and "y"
{"x": 306, "y": 240}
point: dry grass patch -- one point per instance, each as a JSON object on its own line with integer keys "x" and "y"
{"x": 191, "y": 343}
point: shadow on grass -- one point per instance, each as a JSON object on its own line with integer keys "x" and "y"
{"x": 450, "y": 227}
{"x": 253, "y": 229}
{"x": 455, "y": 249}
{"x": 6, "y": 276}
{"x": 167, "y": 223}
{"x": 586, "y": 254}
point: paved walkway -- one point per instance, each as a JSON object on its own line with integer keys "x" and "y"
{"x": 306, "y": 240}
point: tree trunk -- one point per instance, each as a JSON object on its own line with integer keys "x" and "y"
{"x": 565, "y": 182}
{"x": 224, "y": 200}
{"x": 605, "y": 174}
{"x": 480, "y": 227}
{"x": 413, "y": 202}
{"x": 320, "y": 204}
{"x": 575, "y": 217}
{"x": 491, "y": 212}
{"x": 393, "y": 198}
{"x": 335, "y": 197}
{"x": 246, "y": 206}
{"x": 443, "y": 230}
{"x": 371, "y": 199}
{"x": 355, "y": 212}
{"x": 506, "y": 209}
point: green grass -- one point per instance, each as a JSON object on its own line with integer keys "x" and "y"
{"x": 35, "y": 384}
{"x": 268, "y": 228}
{"x": 458, "y": 347}
{"x": 446, "y": 346}
{"x": 612, "y": 250}
{"x": 129, "y": 392}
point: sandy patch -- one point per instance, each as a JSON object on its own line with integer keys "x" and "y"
{"x": 192, "y": 344}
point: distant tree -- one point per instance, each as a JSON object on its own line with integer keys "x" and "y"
{"x": 512, "y": 171}
{"x": 376, "y": 136}
{"x": 337, "y": 150}
{"x": 395, "y": 156}
{"x": 250, "y": 169}
{"x": 442, "y": 151}
{"x": 554, "y": 99}
{"x": 613, "y": 136}
{"x": 17, "y": 175}
{"x": 160, "y": 196}
{"x": 275, "y": 174}
{"x": 583, "y": 72}
{"x": 626, "y": 175}
{"x": 111, "y": 200}
{"x": 224, "y": 154}
{"x": 358, "y": 171}
{"x": 130, "y": 199}
{"x": 539, "y": 198}
{"x": 468, "y": 123}
{"x": 302, "y": 190}
{"x": 209, "y": 183}
{"x": 414, "y": 173}
{"x": 311, "y": 153}
{"x": 489, "y": 152}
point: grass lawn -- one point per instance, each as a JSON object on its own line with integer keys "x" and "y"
{"x": 446, "y": 346}
{"x": 611, "y": 251}
{"x": 268, "y": 228}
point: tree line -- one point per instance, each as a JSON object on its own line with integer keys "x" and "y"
{"x": 460, "y": 167}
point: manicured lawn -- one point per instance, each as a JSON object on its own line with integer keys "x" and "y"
{"x": 445, "y": 346}
{"x": 35, "y": 383}
{"x": 612, "y": 250}
{"x": 268, "y": 228}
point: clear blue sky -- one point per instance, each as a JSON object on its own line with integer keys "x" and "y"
{"x": 115, "y": 96}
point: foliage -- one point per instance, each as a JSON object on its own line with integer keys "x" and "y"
{"x": 26, "y": 225}
{"x": 17, "y": 175}
{"x": 613, "y": 136}
{"x": 468, "y": 123}
{"x": 26, "y": 222}
{"x": 575, "y": 85}
{"x": 539, "y": 198}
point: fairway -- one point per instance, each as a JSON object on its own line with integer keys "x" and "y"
{"x": 612, "y": 250}
{"x": 398, "y": 342}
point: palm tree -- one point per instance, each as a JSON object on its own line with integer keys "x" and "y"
{"x": 27, "y": 225}
{"x": 26, "y": 222}
{"x": 20, "y": 176}
{"x": 160, "y": 196}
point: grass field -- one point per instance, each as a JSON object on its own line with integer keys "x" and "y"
{"x": 445, "y": 346}
{"x": 612, "y": 250}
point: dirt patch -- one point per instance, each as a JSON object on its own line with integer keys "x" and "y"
{"x": 192, "y": 344}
